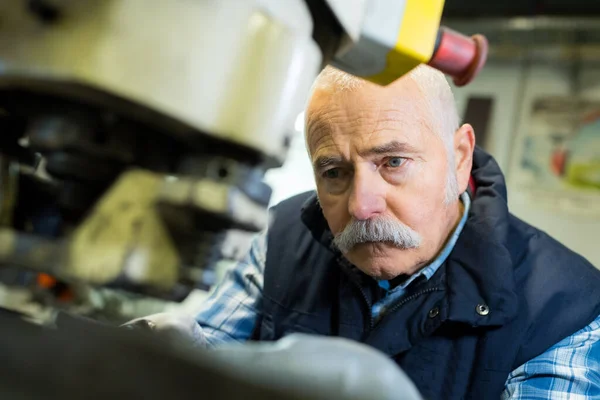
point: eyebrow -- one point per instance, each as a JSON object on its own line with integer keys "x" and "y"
{"x": 326, "y": 161}
{"x": 392, "y": 147}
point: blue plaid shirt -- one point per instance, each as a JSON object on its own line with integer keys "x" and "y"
{"x": 568, "y": 370}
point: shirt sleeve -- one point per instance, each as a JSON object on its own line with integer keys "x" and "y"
{"x": 232, "y": 310}
{"x": 568, "y": 370}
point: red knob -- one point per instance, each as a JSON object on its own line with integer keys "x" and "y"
{"x": 459, "y": 56}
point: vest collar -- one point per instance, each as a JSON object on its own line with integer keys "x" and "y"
{"x": 480, "y": 269}
{"x": 313, "y": 219}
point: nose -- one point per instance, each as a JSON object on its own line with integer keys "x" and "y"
{"x": 366, "y": 198}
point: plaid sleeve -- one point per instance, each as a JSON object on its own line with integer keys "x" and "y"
{"x": 231, "y": 312}
{"x": 568, "y": 370}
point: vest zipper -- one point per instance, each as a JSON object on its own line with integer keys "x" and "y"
{"x": 409, "y": 298}
{"x": 412, "y": 297}
{"x": 370, "y": 320}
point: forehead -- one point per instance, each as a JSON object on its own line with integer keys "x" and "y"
{"x": 367, "y": 116}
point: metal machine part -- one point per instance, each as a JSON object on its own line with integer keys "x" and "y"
{"x": 86, "y": 360}
{"x": 338, "y": 366}
{"x": 135, "y": 135}
{"x": 398, "y": 35}
{"x": 157, "y": 56}
{"x": 342, "y": 367}
{"x": 141, "y": 114}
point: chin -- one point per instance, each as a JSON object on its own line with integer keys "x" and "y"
{"x": 383, "y": 261}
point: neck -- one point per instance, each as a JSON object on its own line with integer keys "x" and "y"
{"x": 455, "y": 213}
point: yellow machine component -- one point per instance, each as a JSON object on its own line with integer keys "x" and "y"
{"x": 125, "y": 236}
{"x": 415, "y": 42}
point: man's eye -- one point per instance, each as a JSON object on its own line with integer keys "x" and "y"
{"x": 395, "y": 162}
{"x": 332, "y": 173}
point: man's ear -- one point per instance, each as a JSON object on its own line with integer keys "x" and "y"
{"x": 464, "y": 145}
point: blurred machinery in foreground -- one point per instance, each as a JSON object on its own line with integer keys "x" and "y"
{"x": 135, "y": 134}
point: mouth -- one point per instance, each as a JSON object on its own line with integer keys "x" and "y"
{"x": 375, "y": 244}
{"x": 378, "y": 246}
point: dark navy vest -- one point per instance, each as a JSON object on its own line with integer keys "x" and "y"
{"x": 506, "y": 293}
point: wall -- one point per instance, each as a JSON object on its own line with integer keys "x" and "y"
{"x": 513, "y": 85}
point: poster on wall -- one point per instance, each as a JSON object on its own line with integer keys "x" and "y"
{"x": 560, "y": 162}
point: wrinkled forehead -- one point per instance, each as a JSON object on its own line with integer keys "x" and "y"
{"x": 366, "y": 114}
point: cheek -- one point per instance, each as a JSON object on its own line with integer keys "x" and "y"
{"x": 419, "y": 202}
{"x": 431, "y": 182}
{"x": 409, "y": 209}
{"x": 335, "y": 210}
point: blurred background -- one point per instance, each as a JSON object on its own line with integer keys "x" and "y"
{"x": 535, "y": 107}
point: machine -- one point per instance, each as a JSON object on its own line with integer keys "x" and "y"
{"x": 136, "y": 134}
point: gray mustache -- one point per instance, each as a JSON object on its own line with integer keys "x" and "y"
{"x": 376, "y": 230}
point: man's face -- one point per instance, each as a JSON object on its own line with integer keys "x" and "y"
{"x": 377, "y": 157}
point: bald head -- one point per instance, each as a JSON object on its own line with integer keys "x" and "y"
{"x": 433, "y": 89}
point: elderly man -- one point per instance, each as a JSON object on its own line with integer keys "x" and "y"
{"x": 408, "y": 246}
